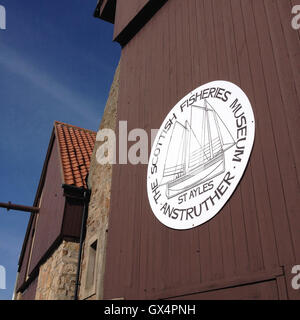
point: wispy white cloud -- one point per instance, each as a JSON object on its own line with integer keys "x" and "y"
{"x": 71, "y": 100}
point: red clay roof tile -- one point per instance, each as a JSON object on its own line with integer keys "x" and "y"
{"x": 75, "y": 151}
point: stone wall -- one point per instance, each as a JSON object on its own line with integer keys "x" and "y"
{"x": 97, "y": 222}
{"x": 57, "y": 275}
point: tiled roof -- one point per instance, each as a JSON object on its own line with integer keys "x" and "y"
{"x": 76, "y": 147}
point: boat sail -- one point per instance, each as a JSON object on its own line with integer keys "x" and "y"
{"x": 196, "y": 150}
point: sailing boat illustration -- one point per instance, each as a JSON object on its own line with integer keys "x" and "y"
{"x": 196, "y": 151}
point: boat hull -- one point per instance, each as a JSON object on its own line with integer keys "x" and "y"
{"x": 197, "y": 176}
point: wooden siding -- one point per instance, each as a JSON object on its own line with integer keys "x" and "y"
{"x": 59, "y": 218}
{"x": 23, "y": 270}
{"x": 50, "y": 218}
{"x": 263, "y": 291}
{"x": 29, "y": 293}
{"x": 186, "y": 44}
{"x": 125, "y": 13}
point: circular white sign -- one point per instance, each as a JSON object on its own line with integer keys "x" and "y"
{"x": 200, "y": 154}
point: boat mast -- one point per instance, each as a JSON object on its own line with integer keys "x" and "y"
{"x": 187, "y": 147}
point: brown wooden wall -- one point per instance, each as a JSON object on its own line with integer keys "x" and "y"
{"x": 23, "y": 270}
{"x": 29, "y": 294}
{"x": 125, "y": 12}
{"x": 59, "y": 218}
{"x": 47, "y": 225}
{"x": 256, "y": 235}
{"x": 51, "y": 213}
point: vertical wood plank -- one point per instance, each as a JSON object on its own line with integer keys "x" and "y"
{"x": 291, "y": 114}
{"x": 280, "y": 137}
{"x": 260, "y": 186}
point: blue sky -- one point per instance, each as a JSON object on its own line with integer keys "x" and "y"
{"x": 56, "y": 63}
